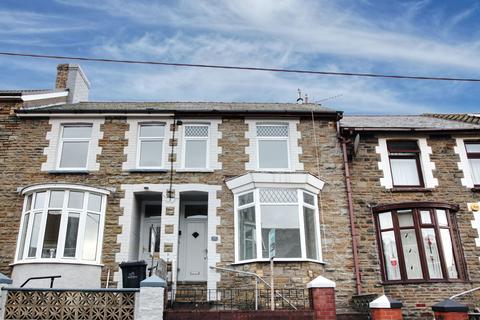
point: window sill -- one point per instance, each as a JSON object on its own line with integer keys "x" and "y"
{"x": 281, "y": 260}
{"x": 147, "y": 170}
{"x": 410, "y": 189}
{"x": 57, "y": 261}
{"x": 195, "y": 170}
{"x": 60, "y": 171}
{"x": 417, "y": 282}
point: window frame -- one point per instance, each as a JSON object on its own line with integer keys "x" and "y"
{"x": 272, "y": 138}
{"x": 408, "y": 154}
{"x": 65, "y": 212}
{"x": 139, "y": 144}
{"x": 472, "y": 155}
{"x": 416, "y": 207}
{"x": 61, "y": 141}
{"x": 184, "y": 145}
{"x": 258, "y": 224}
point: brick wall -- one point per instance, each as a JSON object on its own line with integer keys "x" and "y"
{"x": 417, "y": 298}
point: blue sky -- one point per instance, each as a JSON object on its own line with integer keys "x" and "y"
{"x": 437, "y": 38}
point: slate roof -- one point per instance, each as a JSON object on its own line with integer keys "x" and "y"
{"x": 469, "y": 118}
{"x": 403, "y": 123}
{"x": 186, "y": 107}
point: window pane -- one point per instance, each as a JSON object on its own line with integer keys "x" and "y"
{"x": 39, "y": 200}
{"x": 310, "y": 234}
{"x": 152, "y": 130}
{"x": 284, "y": 220}
{"x": 442, "y": 218}
{"x": 425, "y": 216}
{"x": 74, "y": 154}
{"x": 402, "y": 146}
{"x": 448, "y": 253}
{"x": 247, "y": 234}
{"x": 153, "y": 210}
{"x": 32, "y": 249}
{"x": 405, "y": 218}
{"x": 431, "y": 253}
{"x": 50, "y": 238}
{"x": 273, "y": 154}
{"x": 475, "y": 169}
{"x": 308, "y": 198}
{"x": 77, "y": 132}
{"x": 29, "y": 202}
{"x": 196, "y": 154}
{"x": 94, "y": 202}
{"x": 472, "y": 147}
{"x": 196, "y": 131}
{"x": 411, "y": 254}
{"x": 385, "y": 219}
{"x": 278, "y": 195}
{"x": 23, "y": 235}
{"x": 272, "y": 130}
{"x": 404, "y": 172}
{"x": 391, "y": 257}
{"x": 71, "y": 237}
{"x": 91, "y": 236}
{"x": 56, "y": 199}
{"x": 154, "y": 238}
{"x": 245, "y": 199}
{"x": 151, "y": 153}
{"x": 75, "y": 200}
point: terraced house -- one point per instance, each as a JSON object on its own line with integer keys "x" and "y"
{"x": 206, "y": 193}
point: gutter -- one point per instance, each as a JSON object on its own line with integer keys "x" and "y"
{"x": 351, "y": 211}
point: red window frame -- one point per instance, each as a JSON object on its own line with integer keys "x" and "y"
{"x": 416, "y": 207}
{"x": 405, "y": 153}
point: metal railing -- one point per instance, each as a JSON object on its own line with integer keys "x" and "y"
{"x": 52, "y": 279}
{"x": 238, "y": 299}
{"x": 257, "y": 278}
{"x": 474, "y": 313}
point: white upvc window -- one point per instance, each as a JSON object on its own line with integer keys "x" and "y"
{"x": 290, "y": 214}
{"x": 151, "y": 137}
{"x": 196, "y": 149}
{"x": 62, "y": 224}
{"x": 272, "y": 146}
{"x": 74, "y": 146}
{"x": 472, "y": 148}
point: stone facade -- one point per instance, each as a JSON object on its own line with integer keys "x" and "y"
{"x": 368, "y": 192}
{"x": 24, "y": 140}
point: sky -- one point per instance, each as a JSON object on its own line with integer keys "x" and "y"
{"x": 424, "y": 37}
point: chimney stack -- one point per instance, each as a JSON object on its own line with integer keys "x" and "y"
{"x": 71, "y": 77}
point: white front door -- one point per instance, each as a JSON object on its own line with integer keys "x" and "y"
{"x": 193, "y": 250}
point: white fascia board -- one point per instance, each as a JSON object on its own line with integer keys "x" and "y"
{"x": 63, "y": 186}
{"x": 259, "y": 179}
{"x": 94, "y": 115}
{"x": 42, "y": 96}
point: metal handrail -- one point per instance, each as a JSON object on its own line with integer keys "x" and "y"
{"x": 464, "y": 293}
{"x": 256, "y": 276}
{"x": 52, "y": 278}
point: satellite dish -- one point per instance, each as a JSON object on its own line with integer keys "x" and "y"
{"x": 356, "y": 142}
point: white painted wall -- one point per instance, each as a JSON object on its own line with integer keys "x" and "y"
{"x": 77, "y": 276}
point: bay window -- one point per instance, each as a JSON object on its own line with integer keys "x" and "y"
{"x": 290, "y": 214}
{"x": 62, "y": 223}
{"x": 418, "y": 243}
{"x": 404, "y": 157}
{"x": 473, "y": 155}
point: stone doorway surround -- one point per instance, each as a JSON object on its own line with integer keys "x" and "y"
{"x": 169, "y": 225}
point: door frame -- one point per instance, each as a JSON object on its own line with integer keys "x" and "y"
{"x": 142, "y": 226}
{"x": 182, "y": 252}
